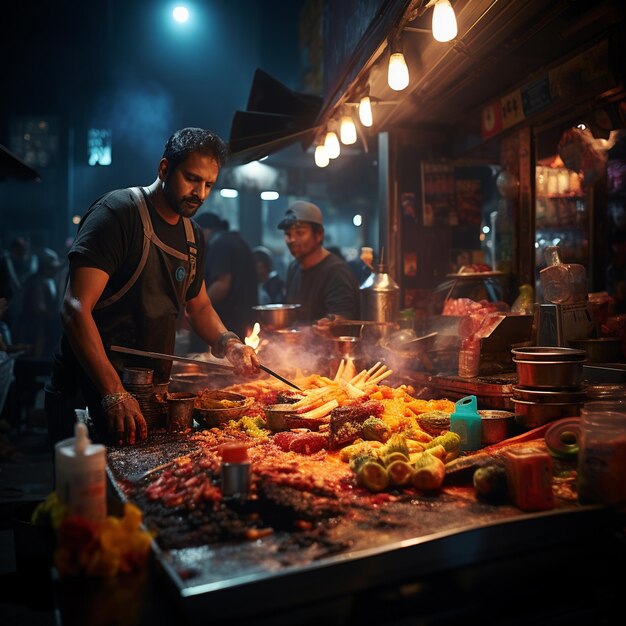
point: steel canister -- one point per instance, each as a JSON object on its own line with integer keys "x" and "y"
{"x": 380, "y": 297}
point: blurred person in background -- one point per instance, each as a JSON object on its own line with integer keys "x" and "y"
{"x": 271, "y": 287}
{"x": 16, "y": 264}
{"x": 136, "y": 260}
{"x": 38, "y": 323}
{"x": 229, "y": 277}
{"x": 321, "y": 282}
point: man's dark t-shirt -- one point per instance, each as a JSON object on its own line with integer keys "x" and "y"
{"x": 110, "y": 238}
{"x": 326, "y": 288}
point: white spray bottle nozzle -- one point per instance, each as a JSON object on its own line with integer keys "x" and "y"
{"x": 81, "y": 438}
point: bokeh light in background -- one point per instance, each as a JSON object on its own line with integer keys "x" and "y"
{"x": 180, "y": 14}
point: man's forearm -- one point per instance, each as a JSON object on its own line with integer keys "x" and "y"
{"x": 82, "y": 333}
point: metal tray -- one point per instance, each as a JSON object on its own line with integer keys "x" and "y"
{"x": 234, "y": 580}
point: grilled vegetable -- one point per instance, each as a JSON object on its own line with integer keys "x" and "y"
{"x": 374, "y": 429}
{"x": 396, "y": 443}
{"x": 358, "y": 448}
{"x": 450, "y": 441}
{"x": 490, "y": 483}
{"x": 373, "y": 476}
{"x": 429, "y": 473}
{"x": 400, "y": 473}
{"x": 439, "y": 451}
{"x": 394, "y": 456}
{"x": 360, "y": 459}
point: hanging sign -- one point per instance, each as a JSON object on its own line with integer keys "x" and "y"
{"x": 536, "y": 96}
{"x": 491, "y": 119}
{"x": 512, "y": 110}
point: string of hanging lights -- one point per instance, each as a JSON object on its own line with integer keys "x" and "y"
{"x": 444, "y": 29}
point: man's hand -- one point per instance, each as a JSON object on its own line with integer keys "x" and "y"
{"x": 243, "y": 358}
{"x": 124, "y": 419}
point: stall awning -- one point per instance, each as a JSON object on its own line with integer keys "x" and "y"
{"x": 11, "y": 166}
{"x": 275, "y": 118}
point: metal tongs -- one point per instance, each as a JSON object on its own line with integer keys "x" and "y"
{"x": 184, "y": 359}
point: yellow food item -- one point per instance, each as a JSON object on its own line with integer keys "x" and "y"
{"x": 429, "y": 473}
{"x": 373, "y": 476}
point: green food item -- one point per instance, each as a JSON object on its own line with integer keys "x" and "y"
{"x": 253, "y": 426}
{"x": 373, "y": 476}
{"x": 400, "y": 473}
{"x": 439, "y": 451}
{"x": 395, "y": 456}
{"x": 490, "y": 482}
{"x": 360, "y": 459}
{"x": 374, "y": 429}
{"x": 450, "y": 441}
{"x": 396, "y": 443}
{"x": 429, "y": 473}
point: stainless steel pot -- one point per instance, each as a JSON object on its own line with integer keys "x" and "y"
{"x": 601, "y": 350}
{"x": 495, "y": 425}
{"x": 548, "y": 353}
{"x": 532, "y": 414}
{"x": 549, "y": 374}
{"x": 276, "y": 316}
{"x": 549, "y": 395}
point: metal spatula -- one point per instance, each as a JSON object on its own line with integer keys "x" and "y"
{"x": 174, "y": 357}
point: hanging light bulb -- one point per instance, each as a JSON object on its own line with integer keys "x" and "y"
{"x": 321, "y": 156}
{"x": 398, "y": 73}
{"x": 365, "y": 111}
{"x": 347, "y": 130}
{"x": 444, "y": 21}
{"x": 331, "y": 144}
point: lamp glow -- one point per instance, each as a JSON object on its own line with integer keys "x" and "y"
{"x": 444, "y": 21}
{"x": 347, "y": 131}
{"x": 229, "y": 193}
{"x": 398, "y": 73}
{"x": 270, "y": 195}
{"x": 365, "y": 111}
{"x": 180, "y": 14}
{"x": 331, "y": 143}
{"x": 321, "y": 156}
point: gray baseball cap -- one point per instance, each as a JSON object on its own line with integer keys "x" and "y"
{"x": 301, "y": 211}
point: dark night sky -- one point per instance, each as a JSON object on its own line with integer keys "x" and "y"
{"x": 101, "y": 59}
{"x": 124, "y": 65}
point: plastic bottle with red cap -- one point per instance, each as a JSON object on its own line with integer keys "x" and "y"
{"x": 235, "y": 469}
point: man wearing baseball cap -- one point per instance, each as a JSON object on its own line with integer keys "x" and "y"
{"x": 321, "y": 282}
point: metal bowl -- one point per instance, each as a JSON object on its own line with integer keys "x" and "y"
{"x": 601, "y": 350}
{"x": 549, "y": 374}
{"x": 548, "y": 353}
{"x": 215, "y": 416}
{"x": 495, "y": 425}
{"x": 276, "y": 316}
{"x": 549, "y": 395}
{"x": 137, "y": 376}
{"x": 533, "y": 414}
{"x": 278, "y": 417}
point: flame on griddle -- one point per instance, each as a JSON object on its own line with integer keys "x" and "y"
{"x": 254, "y": 338}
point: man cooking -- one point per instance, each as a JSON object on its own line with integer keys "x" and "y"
{"x": 136, "y": 260}
{"x": 321, "y": 282}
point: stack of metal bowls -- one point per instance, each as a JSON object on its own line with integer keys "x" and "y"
{"x": 549, "y": 384}
{"x": 139, "y": 382}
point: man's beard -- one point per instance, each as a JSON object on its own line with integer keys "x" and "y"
{"x": 185, "y": 207}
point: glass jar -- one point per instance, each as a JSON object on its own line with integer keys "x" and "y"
{"x": 602, "y": 455}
